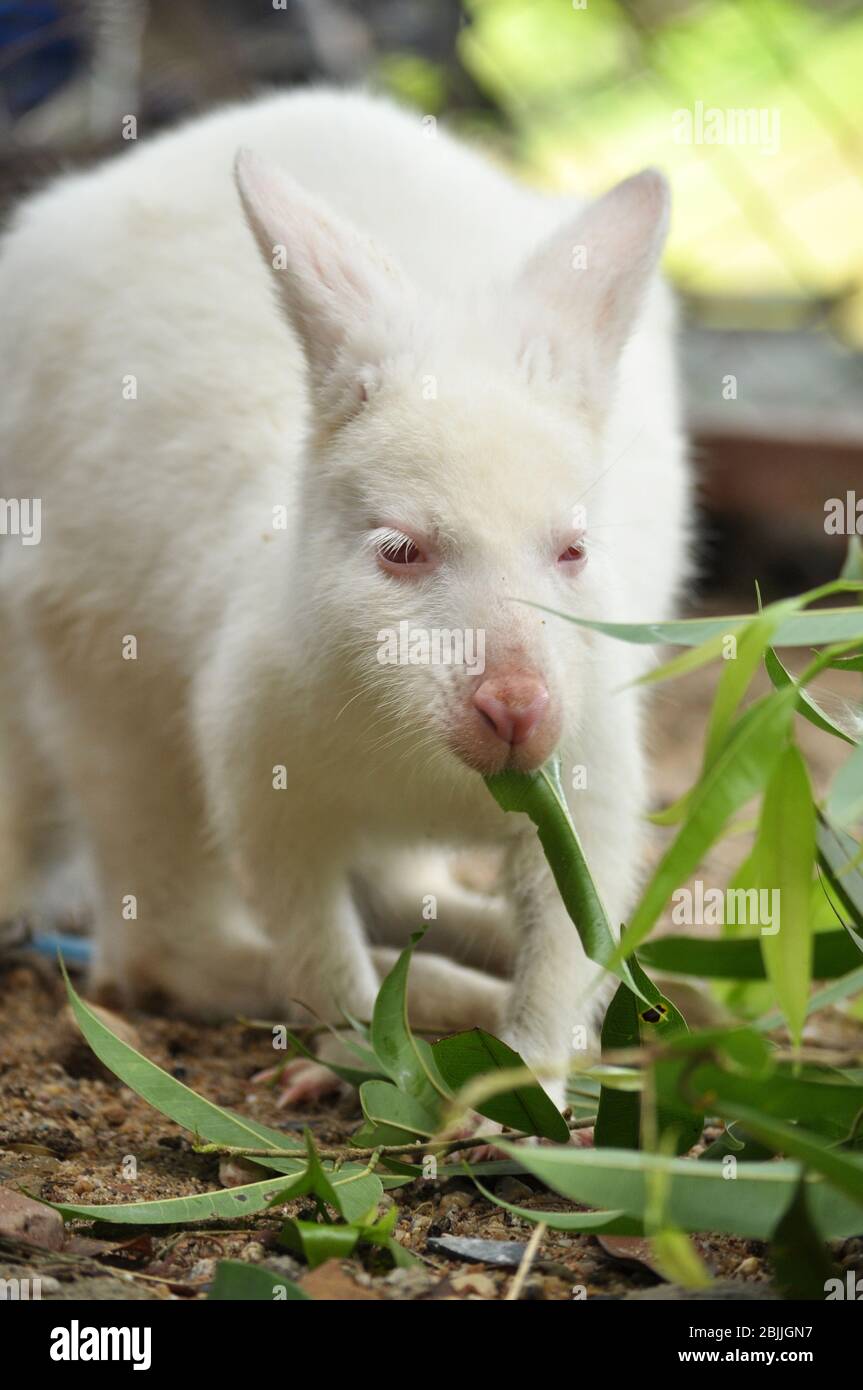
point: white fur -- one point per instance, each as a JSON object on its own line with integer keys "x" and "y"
{"x": 470, "y": 383}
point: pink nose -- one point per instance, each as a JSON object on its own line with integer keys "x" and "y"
{"x": 512, "y": 705}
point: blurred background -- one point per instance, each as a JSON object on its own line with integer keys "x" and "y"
{"x": 754, "y": 108}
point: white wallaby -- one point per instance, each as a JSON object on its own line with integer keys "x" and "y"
{"x": 275, "y": 481}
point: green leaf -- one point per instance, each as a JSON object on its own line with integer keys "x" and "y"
{"x": 845, "y": 802}
{"x": 852, "y": 569}
{"x": 236, "y": 1281}
{"x": 595, "y": 1223}
{"x": 840, "y": 855}
{"x": 699, "y": 1197}
{"x": 844, "y": 1171}
{"x": 661, "y": 1019}
{"x": 673, "y": 1250}
{"x": 318, "y": 1243}
{"x": 804, "y": 704}
{"x": 407, "y": 1060}
{"x": 380, "y": 1233}
{"x": 801, "y": 1264}
{"x": 799, "y": 629}
{"x": 396, "y": 1117}
{"x": 463, "y": 1056}
{"x": 170, "y": 1097}
{"x": 737, "y": 675}
{"x": 821, "y": 999}
{"x": 618, "y": 1119}
{"x": 539, "y": 796}
{"x": 785, "y": 856}
{"x": 225, "y": 1204}
{"x": 738, "y": 773}
{"x": 621, "y": 1121}
{"x": 352, "y": 1192}
{"x": 847, "y": 663}
{"x": 736, "y": 1142}
{"x": 739, "y": 958}
{"x": 819, "y": 1099}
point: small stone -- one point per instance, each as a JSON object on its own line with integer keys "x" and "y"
{"x": 23, "y": 1219}
{"x": 253, "y": 1253}
{"x": 510, "y": 1189}
{"x": 331, "y": 1283}
{"x": 476, "y": 1283}
{"x": 286, "y": 1266}
{"x": 455, "y": 1201}
{"x": 114, "y": 1115}
{"x": 82, "y": 1184}
{"x": 409, "y": 1283}
{"x": 506, "y": 1254}
{"x": 237, "y": 1172}
{"x": 750, "y": 1265}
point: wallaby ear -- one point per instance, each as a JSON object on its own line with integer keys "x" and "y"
{"x": 590, "y": 278}
{"x": 341, "y": 295}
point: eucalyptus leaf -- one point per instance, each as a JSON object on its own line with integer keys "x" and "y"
{"x": 821, "y": 999}
{"x": 805, "y": 703}
{"x": 395, "y": 1116}
{"x": 739, "y": 958}
{"x": 224, "y": 1205}
{"x": 845, "y": 802}
{"x": 739, "y": 771}
{"x": 840, "y": 856}
{"x": 785, "y": 855}
{"x": 799, "y": 629}
{"x": 407, "y": 1060}
{"x": 801, "y": 1264}
{"x": 236, "y": 1282}
{"x": 843, "y": 1170}
{"x": 463, "y": 1056}
{"x": 699, "y": 1197}
{"x": 818, "y": 1099}
{"x": 852, "y": 567}
{"x": 170, "y": 1097}
{"x": 318, "y": 1243}
{"x": 618, "y": 1119}
{"x": 588, "y": 1223}
{"x": 352, "y": 1191}
{"x": 539, "y": 796}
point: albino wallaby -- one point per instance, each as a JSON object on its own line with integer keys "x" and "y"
{"x": 274, "y": 482}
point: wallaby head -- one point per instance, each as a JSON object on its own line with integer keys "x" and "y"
{"x": 450, "y": 450}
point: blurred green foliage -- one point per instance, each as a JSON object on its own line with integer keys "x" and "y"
{"x": 578, "y": 97}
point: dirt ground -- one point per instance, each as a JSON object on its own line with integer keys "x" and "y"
{"x": 66, "y": 1127}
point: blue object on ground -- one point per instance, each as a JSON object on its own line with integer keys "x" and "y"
{"x": 75, "y": 950}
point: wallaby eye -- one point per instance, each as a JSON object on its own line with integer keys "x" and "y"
{"x": 401, "y": 552}
{"x": 574, "y": 556}
{"x": 398, "y": 552}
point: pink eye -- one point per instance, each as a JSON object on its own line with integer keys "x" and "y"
{"x": 398, "y": 552}
{"x": 403, "y": 552}
{"x": 574, "y": 555}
